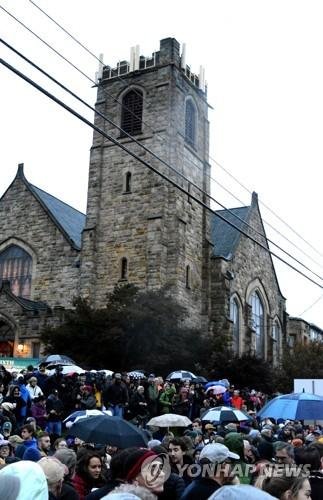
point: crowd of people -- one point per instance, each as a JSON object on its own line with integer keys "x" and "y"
{"x": 40, "y": 459}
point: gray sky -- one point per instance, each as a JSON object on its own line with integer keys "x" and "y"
{"x": 263, "y": 66}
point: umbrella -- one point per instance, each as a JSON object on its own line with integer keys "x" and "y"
{"x": 66, "y": 369}
{"x": 199, "y": 380}
{"x": 103, "y": 429}
{"x": 170, "y": 420}
{"x": 76, "y": 415}
{"x": 181, "y": 375}
{"x": 222, "y": 414}
{"x": 136, "y": 375}
{"x": 216, "y": 389}
{"x": 295, "y": 406}
{"x": 58, "y": 359}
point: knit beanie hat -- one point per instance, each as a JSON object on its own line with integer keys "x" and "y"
{"x": 32, "y": 454}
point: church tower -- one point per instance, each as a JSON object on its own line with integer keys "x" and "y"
{"x": 139, "y": 228}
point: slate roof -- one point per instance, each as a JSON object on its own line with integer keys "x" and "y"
{"x": 71, "y": 220}
{"x": 224, "y": 237}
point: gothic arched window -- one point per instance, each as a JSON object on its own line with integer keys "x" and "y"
{"x": 16, "y": 267}
{"x": 235, "y": 318}
{"x": 190, "y": 123}
{"x": 258, "y": 323}
{"x": 131, "y": 117}
{"x": 124, "y": 269}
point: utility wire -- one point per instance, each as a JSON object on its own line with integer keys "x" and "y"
{"x": 210, "y": 157}
{"x": 312, "y": 305}
{"x": 152, "y": 153}
{"x": 75, "y": 67}
{"x": 264, "y": 220}
{"x": 266, "y": 206}
{"x": 156, "y": 133}
{"x": 149, "y": 166}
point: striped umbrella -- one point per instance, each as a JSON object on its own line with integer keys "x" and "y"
{"x": 225, "y": 414}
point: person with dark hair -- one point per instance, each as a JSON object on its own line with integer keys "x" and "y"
{"x": 115, "y": 473}
{"x": 287, "y": 486}
{"x": 39, "y": 412}
{"x": 27, "y": 433}
{"x": 16, "y": 399}
{"x": 177, "y": 451}
{"x": 88, "y": 473}
{"x": 174, "y": 485}
{"x": 41, "y": 376}
{"x": 310, "y": 456}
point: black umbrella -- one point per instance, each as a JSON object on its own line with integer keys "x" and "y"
{"x": 58, "y": 359}
{"x": 109, "y": 430}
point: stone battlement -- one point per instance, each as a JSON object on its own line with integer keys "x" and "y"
{"x": 169, "y": 53}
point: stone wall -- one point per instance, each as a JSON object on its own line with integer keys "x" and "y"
{"x": 251, "y": 268}
{"x": 156, "y": 227}
{"x": 24, "y": 222}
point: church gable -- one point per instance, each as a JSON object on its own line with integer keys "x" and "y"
{"x": 43, "y": 227}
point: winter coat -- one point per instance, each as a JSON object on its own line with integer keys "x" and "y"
{"x": 200, "y": 489}
{"x": 115, "y": 394}
{"x": 234, "y": 441}
{"x": 166, "y": 399}
{"x": 316, "y": 482}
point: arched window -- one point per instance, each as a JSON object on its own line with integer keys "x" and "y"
{"x": 276, "y": 335}
{"x": 258, "y": 323}
{"x": 124, "y": 268}
{"x": 127, "y": 186}
{"x": 188, "y": 277}
{"x": 190, "y": 123}
{"x": 16, "y": 267}
{"x": 235, "y": 318}
{"x": 131, "y": 117}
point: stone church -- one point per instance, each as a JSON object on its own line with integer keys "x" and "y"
{"x": 140, "y": 228}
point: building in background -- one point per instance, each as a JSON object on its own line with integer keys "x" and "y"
{"x": 139, "y": 228}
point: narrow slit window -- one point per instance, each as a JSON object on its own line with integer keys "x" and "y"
{"x": 124, "y": 269}
{"x": 188, "y": 277}
{"x": 128, "y": 182}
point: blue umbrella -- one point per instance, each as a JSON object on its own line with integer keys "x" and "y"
{"x": 295, "y": 406}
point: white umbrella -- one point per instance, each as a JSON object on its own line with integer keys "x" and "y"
{"x": 170, "y": 420}
{"x": 181, "y": 375}
{"x": 216, "y": 389}
{"x": 70, "y": 369}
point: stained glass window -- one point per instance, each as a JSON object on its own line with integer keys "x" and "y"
{"x": 16, "y": 267}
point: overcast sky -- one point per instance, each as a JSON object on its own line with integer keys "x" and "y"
{"x": 263, "y": 66}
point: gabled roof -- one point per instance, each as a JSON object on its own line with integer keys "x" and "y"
{"x": 26, "y": 304}
{"x": 225, "y": 238}
{"x": 69, "y": 221}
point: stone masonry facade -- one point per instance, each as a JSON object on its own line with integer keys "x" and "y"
{"x": 164, "y": 235}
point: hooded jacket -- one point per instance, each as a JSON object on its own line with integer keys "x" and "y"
{"x": 234, "y": 441}
{"x": 33, "y": 484}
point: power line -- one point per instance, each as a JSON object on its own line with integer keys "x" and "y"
{"x": 312, "y": 305}
{"x": 210, "y": 157}
{"x": 149, "y": 166}
{"x": 73, "y": 65}
{"x": 156, "y": 133}
{"x": 153, "y": 154}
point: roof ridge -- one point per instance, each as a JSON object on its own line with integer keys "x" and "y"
{"x": 234, "y": 208}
